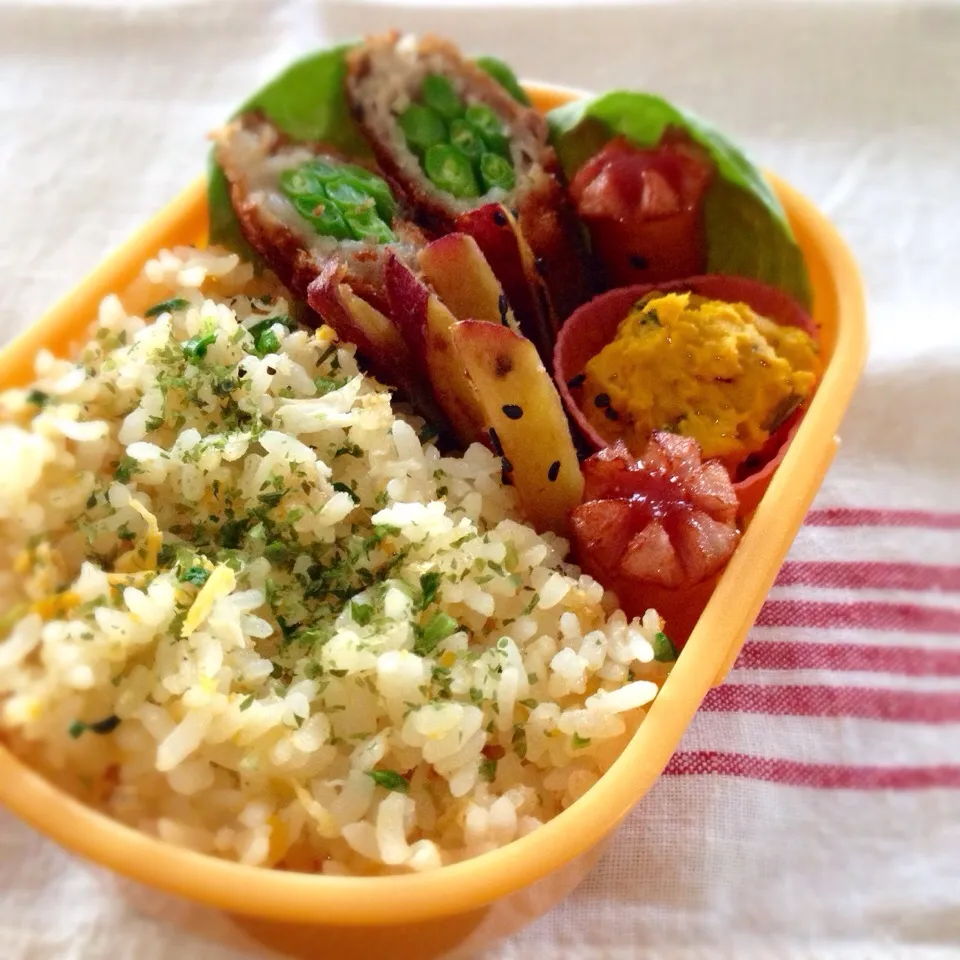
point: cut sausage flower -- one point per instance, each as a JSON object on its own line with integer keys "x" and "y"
{"x": 666, "y": 519}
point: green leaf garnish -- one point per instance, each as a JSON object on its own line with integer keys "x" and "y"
{"x": 361, "y": 613}
{"x": 167, "y": 306}
{"x": 747, "y": 229}
{"x": 663, "y": 648}
{"x": 488, "y": 770}
{"x": 196, "y": 575}
{"x": 389, "y": 780}
{"x": 126, "y": 468}
{"x": 429, "y": 585}
{"x": 440, "y": 626}
{"x": 196, "y": 347}
{"x": 38, "y": 398}
{"x": 580, "y": 742}
{"x": 101, "y": 727}
{"x": 267, "y": 342}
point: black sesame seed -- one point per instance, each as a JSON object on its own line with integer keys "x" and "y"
{"x": 638, "y": 262}
{"x": 512, "y": 410}
{"x": 576, "y": 381}
{"x": 499, "y": 218}
{"x": 611, "y": 414}
{"x": 503, "y": 307}
{"x": 271, "y": 370}
{"x": 495, "y": 443}
{"x": 554, "y": 471}
{"x": 601, "y": 400}
{"x": 506, "y": 465}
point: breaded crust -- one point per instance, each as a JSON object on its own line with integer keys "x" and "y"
{"x": 252, "y": 153}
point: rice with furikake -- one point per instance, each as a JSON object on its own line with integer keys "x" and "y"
{"x": 252, "y": 610}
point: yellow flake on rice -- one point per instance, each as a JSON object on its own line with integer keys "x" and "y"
{"x": 56, "y": 605}
{"x": 22, "y": 710}
{"x": 146, "y": 557}
{"x": 279, "y": 839}
{"x": 318, "y": 813}
{"x": 135, "y": 579}
{"x": 221, "y": 583}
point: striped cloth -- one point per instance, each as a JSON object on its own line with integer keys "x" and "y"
{"x": 813, "y": 808}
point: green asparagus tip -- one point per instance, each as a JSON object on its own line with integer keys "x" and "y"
{"x": 423, "y": 127}
{"x": 496, "y": 172}
{"x": 466, "y": 139}
{"x": 450, "y": 170}
{"x": 489, "y": 126}
{"x": 438, "y": 92}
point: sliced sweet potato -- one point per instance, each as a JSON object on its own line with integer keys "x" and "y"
{"x": 453, "y": 390}
{"x": 525, "y": 418}
{"x": 509, "y": 255}
{"x": 425, "y": 324}
{"x": 377, "y": 340}
{"x": 457, "y": 270}
{"x": 407, "y": 298}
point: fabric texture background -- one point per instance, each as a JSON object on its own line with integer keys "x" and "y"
{"x": 814, "y": 806}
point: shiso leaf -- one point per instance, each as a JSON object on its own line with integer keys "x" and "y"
{"x": 305, "y": 101}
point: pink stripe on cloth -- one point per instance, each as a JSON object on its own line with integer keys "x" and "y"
{"x": 868, "y": 575}
{"x": 872, "y": 517}
{"x": 822, "y": 776}
{"x": 904, "y": 706}
{"x": 869, "y": 615}
{"x": 797, "y": 655}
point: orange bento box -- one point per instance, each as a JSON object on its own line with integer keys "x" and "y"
{"x": 466, "y": 906}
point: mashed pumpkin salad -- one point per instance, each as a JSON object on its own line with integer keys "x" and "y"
{"x": 362, "y": 541}
{"x": 708, "y": 369}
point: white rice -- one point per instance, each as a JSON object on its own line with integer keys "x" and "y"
{"x": 446, "y": 683}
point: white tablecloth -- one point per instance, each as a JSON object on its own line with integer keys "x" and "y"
{"x": 814, "y": 808}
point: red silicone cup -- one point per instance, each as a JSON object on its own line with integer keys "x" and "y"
{"x": 591, "y": 327}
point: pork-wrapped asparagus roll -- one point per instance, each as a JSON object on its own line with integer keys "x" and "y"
{"x": 456, "y": 140}
{"x": 327, "y": 227}
{"x": 304, "y": 206}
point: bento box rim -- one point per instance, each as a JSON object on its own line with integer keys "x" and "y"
{"x": 717, "y": 638}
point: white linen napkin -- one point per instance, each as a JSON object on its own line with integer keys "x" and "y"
{"x": 814, "y": 806}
